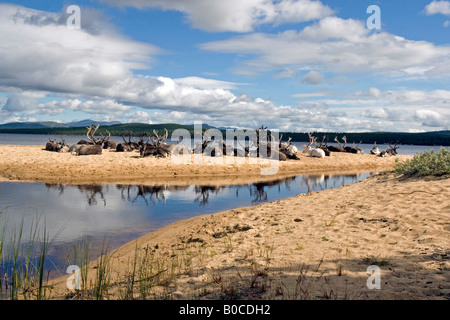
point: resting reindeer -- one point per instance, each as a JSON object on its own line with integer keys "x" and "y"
{"x": 288, "y": 149}
{"x": 207, "y": 147}
{"x": 109, "y": 144}
{"x": 313, "y": 152}
{"x": 245, "y": 151}
{"x": 54, "y": 146}
{"x": 264, "y": 141}
{"x": 96, "y": 147}
{"x": 391, "y": 151}
{"x": 157, "y": 148}
{"x": 350, "y": 149}
{"x": 335, "y": 148}
{"x": 324, "y": 146}
{"x": 375, "y": 149}
{"x": 127, "y": 146}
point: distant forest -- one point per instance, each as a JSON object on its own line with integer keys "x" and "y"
{"x": 435, "y": 138}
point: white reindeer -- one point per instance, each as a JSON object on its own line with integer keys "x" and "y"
{"x": 288, "y": 145}
{"x": 375, "y": 149}
{"x": 313, "y": 152}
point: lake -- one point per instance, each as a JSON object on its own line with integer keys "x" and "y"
{"x": 122, "y": 213}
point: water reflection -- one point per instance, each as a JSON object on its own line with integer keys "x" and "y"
{"x": 94, "y": 195}
{"x": 126, "y": 212}
{"x": 90, "y": 191}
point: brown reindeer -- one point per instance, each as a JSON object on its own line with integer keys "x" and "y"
{"x": 127, "y": 146}
{"x": 54, "y": 146}
{"x": 391, "y": 151}
{"x": 109, "y": 144}
{"x": 157, "y": 148}
{"x": 351, "y": 149}
{"x": 96, "y": 147}
{"x": 335, "y": 148}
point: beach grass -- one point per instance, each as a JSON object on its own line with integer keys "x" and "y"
{"x": 23, "y": 260}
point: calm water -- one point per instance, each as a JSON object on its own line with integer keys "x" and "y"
{"x": 121, "y": 213}
{"x": 37, "y": 139}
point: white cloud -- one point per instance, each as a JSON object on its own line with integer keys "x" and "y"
{"x": 431, "y": 118}
{"x": 202, "y": 83}
{"x": 438, "y": 7}
{"x": 50, "y": 57}
{"x": 377, "y": 110}
{"x": 236, "y": 15}
{"x": 342, "y": 46}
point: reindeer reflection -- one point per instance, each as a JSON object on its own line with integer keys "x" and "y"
{"x": 258, "y": 190}
{"x": 91, "y": 191}
{"x": 154, "y": 194}
{"x": 59, "y": 187}
{"x": 204, "y": 193}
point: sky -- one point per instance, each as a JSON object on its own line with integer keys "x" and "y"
{"x": 291, "y": 65}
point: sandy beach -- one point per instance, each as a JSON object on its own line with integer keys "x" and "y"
{"x": 32, "y": 163}
{"x": 313, "y": 246}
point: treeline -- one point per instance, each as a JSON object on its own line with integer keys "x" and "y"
{"x": 438, "y": 138}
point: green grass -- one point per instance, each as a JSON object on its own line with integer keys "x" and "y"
{"x": 22, "y": 261}
{"x": 427, "y": 163}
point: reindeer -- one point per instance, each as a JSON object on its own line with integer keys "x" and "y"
{"x": 179, "y": 148}
{"x": 351, "y": 149}
{"x": 126, "y": 146}
{"x": 375, "y": 150}
{"x": 109, "y": 144}
{"x": 324, "y": 146}
{"x": 335, "y": 148}
{"x": 313, "y": 152}
{"x": 201, "y": 146}
{"x": 288, "y": 149}
{"x": 157, "y": 148}
{"x": 96, "y": 147}
{"x": 391, "y": 151}
{"x": 265, "y": 141}
{"x": 245, "y": 151}
{"x": 207, "y": 147}
{"x": 287, "y": 145}
{"x": 54, "y": 146}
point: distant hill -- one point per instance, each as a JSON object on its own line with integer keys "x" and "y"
{"x": 86, "y": 123}
{"x": 53, "y": 124}
{"x": 45, "y": 124}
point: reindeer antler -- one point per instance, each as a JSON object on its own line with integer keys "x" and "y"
{"x": 337, "y": 140}
{"x": 311, "y": 139}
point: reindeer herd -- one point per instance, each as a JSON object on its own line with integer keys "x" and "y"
{"x": 261, "y": 145}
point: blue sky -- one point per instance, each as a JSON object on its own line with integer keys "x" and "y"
{"x": 299, "y": 65}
